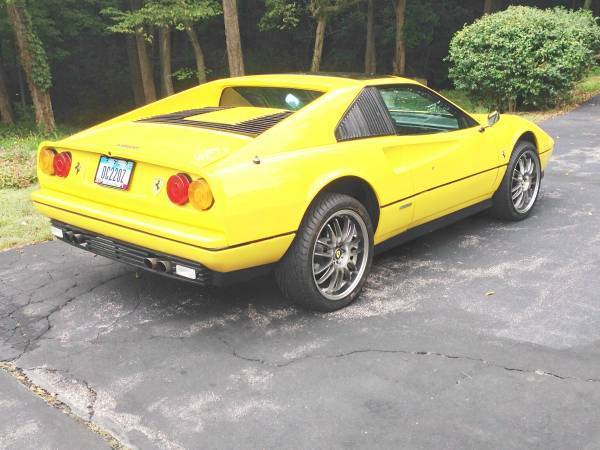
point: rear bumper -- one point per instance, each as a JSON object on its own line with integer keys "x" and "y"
{"x": 201, "y": 246}
{"x": 143, "y": 258}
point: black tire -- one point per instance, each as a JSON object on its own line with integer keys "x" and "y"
{"x": 294, "y": 273}
{"x": 503, "y": 206}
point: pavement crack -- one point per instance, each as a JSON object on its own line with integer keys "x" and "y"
{"x": 278, "y": 364}
{"x": 52, "y": 400}
{"x": 56, "y": 309}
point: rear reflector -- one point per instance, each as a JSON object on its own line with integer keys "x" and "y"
{"x": 186, "y": 272}
{"x": 56, "y": 232}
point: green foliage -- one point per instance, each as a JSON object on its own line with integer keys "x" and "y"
{"x": 187, "y": 73}
{"x": 171, "y": 13}
{"x": 524, "y": 56}
{"x": 40, "y": 68}
{"x": 421, "y": 20}
{"x": 280, "y": 15}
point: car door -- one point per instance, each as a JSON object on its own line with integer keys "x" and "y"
{"x": 440, "y": 148}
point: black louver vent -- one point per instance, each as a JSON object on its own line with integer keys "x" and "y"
{"x": 252, "y": 127}
{"x": 367, "y": 117}
{"x": 183, "y": 114}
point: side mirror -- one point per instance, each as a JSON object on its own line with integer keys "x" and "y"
{"x": 493, "y": 118}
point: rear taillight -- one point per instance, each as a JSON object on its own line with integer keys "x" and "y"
{"x": 46, "y": 160}
{"x": 200, "y": 195}
{"x": 62, "y": 164}
{"x": 177, "y": 188}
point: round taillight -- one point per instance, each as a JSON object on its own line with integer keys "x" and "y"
{"x": 177, "y": 188}
{"x": 46, "y": 161}
{"x": 200, "y": 195}
{"x": 62, "y": 164}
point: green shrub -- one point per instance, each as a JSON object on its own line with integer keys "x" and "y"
{"x": 524, "y": 56}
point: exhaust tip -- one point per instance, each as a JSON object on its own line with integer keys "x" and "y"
{"x": 68, "y": 235}
{"x": 78, "y": 238}
{"x": 151, "y": 263}
{"x": 164, "y": 266}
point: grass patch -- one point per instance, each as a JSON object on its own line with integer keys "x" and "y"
{"x": 20, "y": 223}
{"x": 18, "y": 147}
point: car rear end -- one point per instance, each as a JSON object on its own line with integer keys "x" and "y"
{"x": 141, "y": 193}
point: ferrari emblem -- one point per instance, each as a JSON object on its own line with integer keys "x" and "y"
{"x": 503, "y": 154}
{"x": 338, "y": 254}
{"x": 157, "y": 186}
{"x": 77, "y": 168}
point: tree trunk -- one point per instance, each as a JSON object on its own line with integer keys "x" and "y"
{"x": 370, "y": 51}
{"x": 134, "y": 71}
{"x": 166, "y": 71}
{"x": 400, "y": 44}
{"x": 6, "y": 113}
{"x": 198, "y": 54}
{"x": 315, "y": 66}
{"x": 44, "y": 115}
{"x": 146, "y": 70}
{"x": 587, "y": 4}
{"x": 232, "y": 38}
{"x": 488, "y": 7}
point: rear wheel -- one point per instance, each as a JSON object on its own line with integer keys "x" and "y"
{"x": 520, "y": 187}
{"x": 330, "y": 258}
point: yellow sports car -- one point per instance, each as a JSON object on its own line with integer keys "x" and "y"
{"x": 306, "y": 174}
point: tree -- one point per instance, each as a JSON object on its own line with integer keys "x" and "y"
{"x": 34, "y": 62}
{"x": 6, "y": 113}
{"x": 134, "y": 71}
{"x": 322, "y": 11}
{"x": 370, "y": 50}
{"x": 588, "y": 4}
{"x": 131, "y": 21}
{"x": 400, "y": 43}
{"x": 232, "y": 38}
{"x": 488, "y": 6}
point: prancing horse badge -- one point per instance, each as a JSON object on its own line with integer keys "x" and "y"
{"x": 157, "y": 185}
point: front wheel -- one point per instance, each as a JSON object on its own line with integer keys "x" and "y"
{"x": 520, "y": 187}
{"x": 330, "y": 258}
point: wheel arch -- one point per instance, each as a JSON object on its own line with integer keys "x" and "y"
{"x": 528, "y": 136}
{"x": 355, "y": 187}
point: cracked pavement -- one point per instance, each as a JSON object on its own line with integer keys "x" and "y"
{"x": 482, "y": 335}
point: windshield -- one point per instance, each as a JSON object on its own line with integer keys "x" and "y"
{"x": 268, "y": 97}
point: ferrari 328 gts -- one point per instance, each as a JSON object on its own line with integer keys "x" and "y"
{"x": 308, "y": 175}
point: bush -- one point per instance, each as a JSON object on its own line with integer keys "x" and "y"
{"x": 524, "y": 56}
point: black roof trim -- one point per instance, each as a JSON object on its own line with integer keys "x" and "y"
{"x": 349, "y": 75}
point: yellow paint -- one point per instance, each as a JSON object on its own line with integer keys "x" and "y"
{"x": 414, "y": 177}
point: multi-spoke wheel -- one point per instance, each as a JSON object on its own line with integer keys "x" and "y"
{"x": 520, "y": 187}
{"x": 340, "y": 254}
{"x": 326, "y": 266}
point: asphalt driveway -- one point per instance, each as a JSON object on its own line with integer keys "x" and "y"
{"x": 483, "y": 335}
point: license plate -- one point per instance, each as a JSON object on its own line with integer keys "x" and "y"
{"x": 114, "y": 172}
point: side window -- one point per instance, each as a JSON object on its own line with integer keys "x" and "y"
{"x": 415, "y": 110}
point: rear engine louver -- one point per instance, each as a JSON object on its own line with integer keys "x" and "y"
{"x": 252, "y": 127}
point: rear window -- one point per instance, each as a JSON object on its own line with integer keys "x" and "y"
{"x": 268, "y": 97}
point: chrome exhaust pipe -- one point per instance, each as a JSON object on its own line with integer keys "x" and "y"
{"x": 78, "y": 238}
{"x": 164, "y": 266}
{"x": 151, "y": 263}
{"x": 68, "y": 235}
